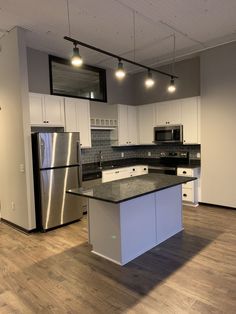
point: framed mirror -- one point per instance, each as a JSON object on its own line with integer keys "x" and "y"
{"x": 87, "y": 82}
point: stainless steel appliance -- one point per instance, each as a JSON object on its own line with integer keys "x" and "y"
{"x": 57, "y": 168}
{"x": 169, "y": 162}
{"x": 168, "y": 134}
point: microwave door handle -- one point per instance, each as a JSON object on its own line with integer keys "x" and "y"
{"x": 172, "y": 134}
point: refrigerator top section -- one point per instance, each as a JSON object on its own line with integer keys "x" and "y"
{"x": 58, "y": 149}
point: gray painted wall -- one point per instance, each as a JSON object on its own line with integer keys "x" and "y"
{"x": 218, "y": 126}
{"x": 188, "y": 84}
{"x": 129, "y": 91}
{"x": 38, "y": 72}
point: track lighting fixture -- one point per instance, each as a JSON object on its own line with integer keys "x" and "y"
{"x": 76, "y": 59}
{"x": 120, "y": 72}
{"x": 149, "y": 82}
{"x": 171, "y": 87}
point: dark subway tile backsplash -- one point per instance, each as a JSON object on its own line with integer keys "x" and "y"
{"x": 101, "y": 142}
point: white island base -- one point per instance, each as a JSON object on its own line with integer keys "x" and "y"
{"x": 121, "y": 232}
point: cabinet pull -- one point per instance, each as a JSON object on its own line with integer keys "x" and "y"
{"x": 184, "y": 172}
{"x": 185, "y": 195}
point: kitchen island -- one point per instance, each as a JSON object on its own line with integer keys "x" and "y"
{"x": 130, "y": 216}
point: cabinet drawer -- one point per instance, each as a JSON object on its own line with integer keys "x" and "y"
{"x": 187, "y": 195}
{"x": 188, "y": 185}
{"x": 185, "y": 172}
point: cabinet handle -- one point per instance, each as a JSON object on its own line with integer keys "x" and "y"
{"x": 116, "y": 171}
{"x": 133, "y": 169}
{"x": 185, "y": 195}
{"x": 184, "y": 172}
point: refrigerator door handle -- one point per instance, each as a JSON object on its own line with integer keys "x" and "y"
{"x": 42, "y": 152}
{"x": 79, "y": 160}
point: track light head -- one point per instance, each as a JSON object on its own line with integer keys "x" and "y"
{"x": 149, "y": 82}
{"x": 171, "y": 87}
{"x": 76, "y": 59}
{"x": 120, "y": 72}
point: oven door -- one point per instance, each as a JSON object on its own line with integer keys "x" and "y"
{"x": 163, "y": 170}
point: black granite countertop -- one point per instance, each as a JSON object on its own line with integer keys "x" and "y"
{"x": 126, "y": 189}
{"x": 94, "y": 169}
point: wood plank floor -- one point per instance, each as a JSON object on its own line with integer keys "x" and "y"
{"x": 193, "y": 272}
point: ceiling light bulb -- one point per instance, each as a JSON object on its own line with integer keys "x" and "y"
{"x": 149, "y": 82}
{"x": 171, "y": 87}
{"x": 76, "y": 59}
{"x": 120, "y": 72}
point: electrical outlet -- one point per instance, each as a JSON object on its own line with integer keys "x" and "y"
{"x": 22, "y": 168}
{"x": 149, "y": 154}
{"x": 122, "y": 155}
{"x": 13, "y": 207}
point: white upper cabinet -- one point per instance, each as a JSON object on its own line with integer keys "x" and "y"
{"x": 168, "y": 112}
{"x": 127, "y": 125}
{"x": 190, "y": 108}
{"x": 146, "y": 123}
{"x": 46, "y": 110}
{"x": 184, "y": 111}
{"x": 77, "y": 119}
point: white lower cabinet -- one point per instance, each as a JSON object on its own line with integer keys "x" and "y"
{"x": 46, "y": 110}
{"x": 77, "y": 119}
{"x": 190, "y": 189}
{"x": 122, "y": 173}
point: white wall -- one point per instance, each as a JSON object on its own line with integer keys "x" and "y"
{"x": 218, "y": 125}
{"x": 15, "y": 148}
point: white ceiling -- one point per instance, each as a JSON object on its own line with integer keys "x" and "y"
{"x": 109, "y": 25}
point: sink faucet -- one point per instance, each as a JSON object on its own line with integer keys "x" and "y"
{"x": 100, "y": 158}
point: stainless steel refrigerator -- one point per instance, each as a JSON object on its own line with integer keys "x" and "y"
{"x": 57, "y": 168}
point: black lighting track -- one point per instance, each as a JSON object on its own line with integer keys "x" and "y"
{"x": 77, "y": 42}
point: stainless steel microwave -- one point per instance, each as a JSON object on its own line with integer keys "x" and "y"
{"x": 168, "y": 134}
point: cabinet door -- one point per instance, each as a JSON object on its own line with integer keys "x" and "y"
{"x": 168, "y": 112}
{"x": 77, "y": 117}
{"x": 54, "y": 110}
{"x": 146, "y": 123}
{"x": 132, "y": 125}
{"x": 36, "y": 109}
{"x": 83, "y": 122}
{"x": 70, "y": 115}
{"x": 123, "y": 125}
{"x": 190, "y": 120}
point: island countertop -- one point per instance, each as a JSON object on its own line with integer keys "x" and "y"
{"x": 125, "y": 189}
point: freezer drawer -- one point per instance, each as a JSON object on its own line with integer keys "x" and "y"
{"x": 57, "y": 206}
